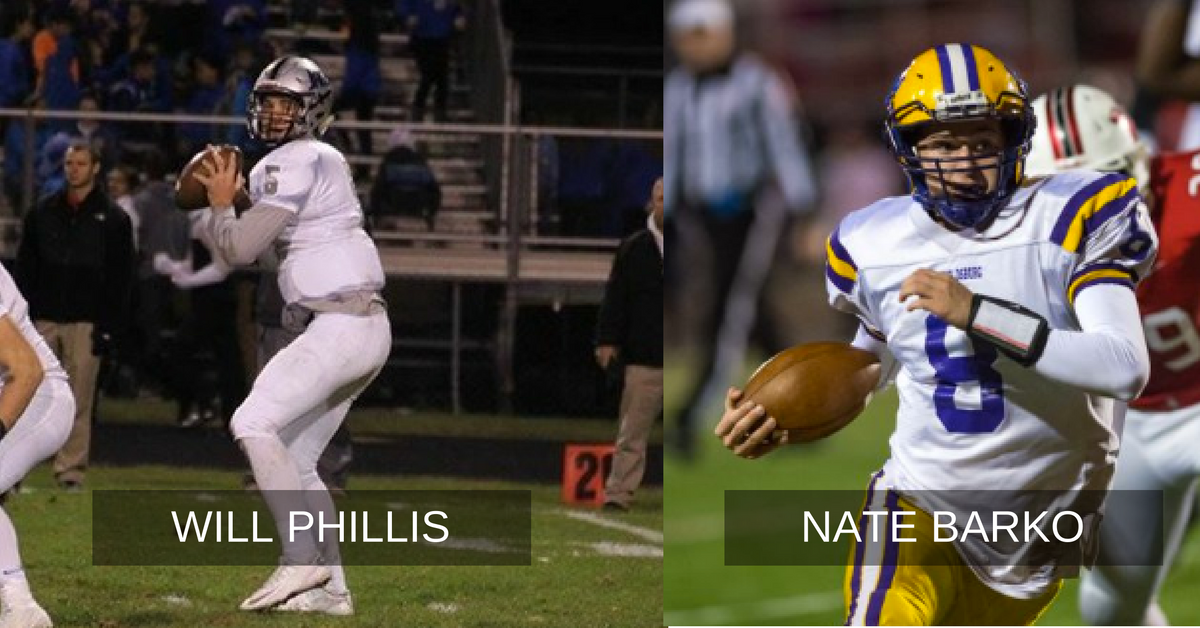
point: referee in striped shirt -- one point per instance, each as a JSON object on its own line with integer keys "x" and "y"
{"x": 731, "y": 132}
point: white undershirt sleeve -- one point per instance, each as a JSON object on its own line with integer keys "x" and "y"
{"x": 241, "y": 239}
{"x": 1108, "y": 357}
{"x": 216, "y": 272}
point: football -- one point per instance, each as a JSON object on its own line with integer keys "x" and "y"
{"x": 815, "y": 389}
{"x": 190, "y": 193}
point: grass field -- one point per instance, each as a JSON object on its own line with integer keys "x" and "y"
{"x": 583, "y": 572}
{"x": 701, "y": 590}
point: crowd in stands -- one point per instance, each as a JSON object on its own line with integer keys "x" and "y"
{"x": 120, "y": 56}
{"x": 150, "y": 57}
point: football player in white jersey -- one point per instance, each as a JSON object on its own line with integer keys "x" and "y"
{"x": 1003, "y": 308}
{"x": 36, "y": 413}
{"x": 330, "y": 276}
{"x": 1083, "y": 127}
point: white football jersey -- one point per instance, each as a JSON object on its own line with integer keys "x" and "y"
{"x": 323, "y": 250}
{"x": 971, "y": 419}
{"x": 14, "y": 306}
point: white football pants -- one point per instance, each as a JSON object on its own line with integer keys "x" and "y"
{"x": 296, "y": 404}
{"x": 41, "y": 431}
{"x": 1158, "y": 453}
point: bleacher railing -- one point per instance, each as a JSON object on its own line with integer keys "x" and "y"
{"x": 517, "y": 189}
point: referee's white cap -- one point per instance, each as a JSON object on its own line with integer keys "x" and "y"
{"x": 690, "y": 14}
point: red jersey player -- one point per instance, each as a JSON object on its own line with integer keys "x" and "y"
{"x": 1170, "y": 297}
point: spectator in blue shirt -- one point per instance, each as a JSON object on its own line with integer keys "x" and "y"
{"x": 140, "y": 93}
{"x": 99, "y": 135}
{"x": 50, "y": 175}
{"x": 431, "y": 25}
{"x": 135, "y": 32}
{"x": 208, "y": 94}
{"x": 362, "y": 81}
{"x": 234, "y": 21}
{"x": 247, "y": 63}
{"x": 14, "y": 158}
{"x": 56, "y": 57}
{"x": 16, "y": 66}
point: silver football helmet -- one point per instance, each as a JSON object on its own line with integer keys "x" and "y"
{"x": 308, "y": 94}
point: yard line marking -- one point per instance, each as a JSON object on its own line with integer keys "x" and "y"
{"x": 778, "y": 608}
{"x": 649, "y": 534}
{"x": 486, "y": 545}
{"x": 626, "y": 550}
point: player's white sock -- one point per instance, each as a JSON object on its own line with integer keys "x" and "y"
{"x": 337, "y": 580}
{"x": 10, "y": 553}
{"x": 14, "y": 581}
{"x": 1155, "y": 615}
{"x": 319, "y": 501}
{"x": 14, "y": 588}
{"x": 279, "y": 482}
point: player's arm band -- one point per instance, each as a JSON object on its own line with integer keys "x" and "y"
{"x": 1017, "y": 331}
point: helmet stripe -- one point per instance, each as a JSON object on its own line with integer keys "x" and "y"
{"x": 958, "y": 67}
{"x": 1060, "y": 120}
{"x": 1052, "y": 128}
{"x": 972, "y": 68}
{"x": 278, "y": 66}
{"x": 947, "y": 74}
{"x": 1076, "y": 138}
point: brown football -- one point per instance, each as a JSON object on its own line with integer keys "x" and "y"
{"x": 815, "y": 389}
{"x": 190, "y": 193}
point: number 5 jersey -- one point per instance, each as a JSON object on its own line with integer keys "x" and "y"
{"x": 971, "y": 419}
{"x": 324, "y": 251}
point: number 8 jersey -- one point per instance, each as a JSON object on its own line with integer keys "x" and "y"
{"x": 970, "y": 418}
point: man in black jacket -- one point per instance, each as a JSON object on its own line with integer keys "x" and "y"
{"x": 75, "y": 266}
{"x": 631, "y": 330}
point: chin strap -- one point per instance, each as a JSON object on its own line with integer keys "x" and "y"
{"x": 1017, "y": 331}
